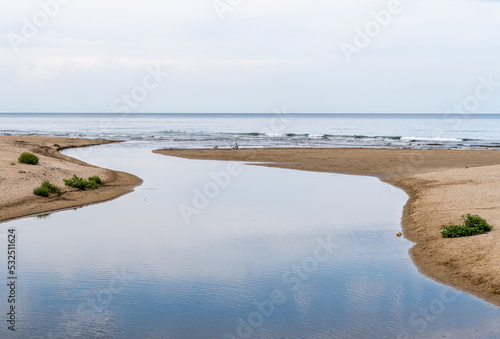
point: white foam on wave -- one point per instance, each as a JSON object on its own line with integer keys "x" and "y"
{"x": 275, "y": 135}
{"x": 408, "y": 139}
{"x": 316, "y": 136}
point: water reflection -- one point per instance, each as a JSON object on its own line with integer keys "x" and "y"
{"x": 275, "y": 253}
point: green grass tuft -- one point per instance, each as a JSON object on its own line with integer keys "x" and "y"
{"x": 52, "y": 188}
{"x": 41, "y": 191}
{"x": 96, "y": 179}
{"x": 28, "y": 158}
{"x": 46, "y": 188}
{"x": 81, "y": 183}
{"x": 471, "y": 225}
{"x": 92, "y": 184}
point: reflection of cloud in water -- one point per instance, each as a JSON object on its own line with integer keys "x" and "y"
{"x": 206, "y": 274}
{"x": 304, "y": 299}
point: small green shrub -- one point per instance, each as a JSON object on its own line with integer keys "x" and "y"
{"x": 81, "y": 183}
{"x": 45, "y": 189}
{"x": 76, "y": 182}
{"x": 52, "y": 188}
{"x": 475, "y": 221}
{"x": 96, "y": 179}
{"x": 471, "y": 225}
{"x": 28, "y": 158}
{"x": 41, "y": 191}
{"x": 92, "y": 184}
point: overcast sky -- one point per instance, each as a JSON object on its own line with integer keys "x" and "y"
{"x": 248, "y": 55}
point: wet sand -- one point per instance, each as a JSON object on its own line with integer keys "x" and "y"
{"x": 442, "y": 185}
{"x": 17, "y": 181}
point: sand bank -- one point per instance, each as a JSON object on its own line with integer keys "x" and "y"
{"x": 442, "y": 185}
{"x": 17, "y": 181}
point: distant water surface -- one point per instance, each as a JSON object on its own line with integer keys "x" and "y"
{"x": 457, "y": 131}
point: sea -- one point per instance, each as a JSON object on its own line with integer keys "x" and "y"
{"x": 420, "y": 131}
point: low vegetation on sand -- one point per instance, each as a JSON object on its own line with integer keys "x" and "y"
{"x": 28, "y": 158}
{"x": 83, "y": 184}
{"x": 45, "y": 189}
{"x": 471, "y": 225}
{"x": 96, "y": 179}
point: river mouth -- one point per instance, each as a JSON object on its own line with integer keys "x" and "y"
{"x": 207, "y": 249}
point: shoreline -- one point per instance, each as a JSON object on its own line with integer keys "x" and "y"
{"x": 442, "y": 185}
{"x": 17, "y": 181}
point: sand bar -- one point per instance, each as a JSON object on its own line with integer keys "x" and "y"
{"x": 442, "y": 185}
{"x": 17, "y": 181}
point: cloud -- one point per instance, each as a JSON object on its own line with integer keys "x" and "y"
{"x": 263, "y": 54}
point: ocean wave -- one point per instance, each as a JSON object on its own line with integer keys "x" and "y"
{"x": 430, "y": 139}
{"x": 253, "y": 134}
{"x": 276, "y": 135}
{"x": 307, "y": 135}
{"x": 189, "y": 139}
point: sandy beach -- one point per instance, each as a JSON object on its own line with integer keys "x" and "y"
{"x": 442, "y": 186}
{"x": 17, "y": 181}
